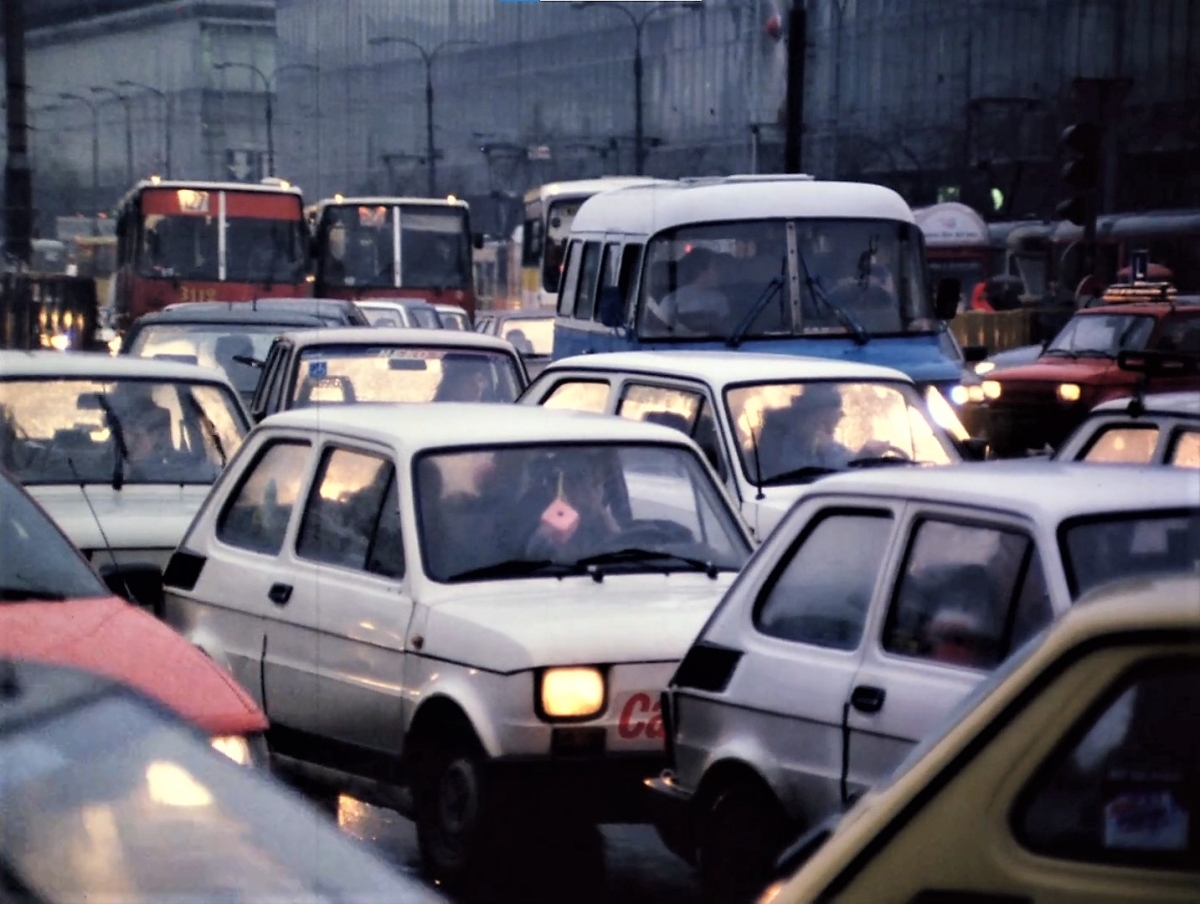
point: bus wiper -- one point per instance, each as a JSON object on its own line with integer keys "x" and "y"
{"x": 861, "y": 336}
{"x": 118, "y": 432}
{"x": 769, "y": 291}
{"x": 637, "y": 554}
{"x": 514, "y": 568}
{"x": 798, "y": 475}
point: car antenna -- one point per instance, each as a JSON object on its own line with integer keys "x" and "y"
{"x": 757, "y": 465}
{"x": 100, "y": 527}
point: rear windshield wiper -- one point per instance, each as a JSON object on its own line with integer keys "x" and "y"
{"x": 515, "y": 568}
{"x": 20, "y": 594}
{"x": 637, "y": 554}
{"x": 798, "y": 475}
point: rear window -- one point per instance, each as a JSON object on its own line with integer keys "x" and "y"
{"x": 1104, "y": 548}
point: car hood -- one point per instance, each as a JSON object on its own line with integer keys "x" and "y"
{"x": 134, "y": 517}
{"x": 1058, "y": 370}
{"x": 530, "y": 623}
{"x": 110, "y": 637}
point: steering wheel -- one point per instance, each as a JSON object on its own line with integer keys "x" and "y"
{"x": 882, "y": 449}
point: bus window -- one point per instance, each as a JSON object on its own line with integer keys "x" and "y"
{"x": 566, "y": 299}
{"x": 435, "y": 249}
{"x": 609, "y": 266}
{"x": 589, "y": 276}
{"x": 533, "y": 236}
{"x": 558, "y": 227}
{"x": 631, "y": 261}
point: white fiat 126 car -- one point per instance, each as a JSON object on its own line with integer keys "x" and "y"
{"x": 471, "y": 609}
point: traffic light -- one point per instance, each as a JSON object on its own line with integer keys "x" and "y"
{"x": 1081, "y": 172}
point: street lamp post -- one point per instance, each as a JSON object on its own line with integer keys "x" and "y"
{"x": 166, "y": 101}
{"x": 638, "y": 22}
{"x": 428, "y": 57}
{"x": 95, "y": 154}
{"x": 124, "y": 101}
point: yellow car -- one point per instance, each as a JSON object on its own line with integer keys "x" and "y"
{"x": 1072, "y": 776}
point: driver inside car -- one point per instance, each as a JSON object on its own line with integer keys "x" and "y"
{"x": 801, "y": 435}
{"x": 578, "y": 521}
{"x": 697, "y": 307}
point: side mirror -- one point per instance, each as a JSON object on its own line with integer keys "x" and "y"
{"x": 477, "y": 240}
{"x": 973, "y": 354}
{"x": 945, "y": 302}
{"x": 974, "y": 448}
{"x": 138, "y": 582}
{"x": 611, "y": 307}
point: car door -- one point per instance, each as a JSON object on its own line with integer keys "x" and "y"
{"x": 349, "y": 593}
{"x": 968, "y": 590}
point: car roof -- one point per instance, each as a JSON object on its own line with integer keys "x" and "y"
{"x": 95, "y": 365}
{"x": 1174, "y": 403}
{"x": 244, "y": 312}
{"x": 444, "y": 424}
{"x": 1042, "y": 490}
{"x": 398, "y": 336}
{"x": 728, "y": 367}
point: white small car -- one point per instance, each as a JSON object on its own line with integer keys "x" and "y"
{"x": 1159, "y": 428}
{"x": 878, "y": 603}
{"x": 120, "y": 451}
{"x": 757, "y": 416}
{"x": 477, "y": 603}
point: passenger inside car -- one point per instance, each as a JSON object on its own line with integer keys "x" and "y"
{"x": 801, "y": 435}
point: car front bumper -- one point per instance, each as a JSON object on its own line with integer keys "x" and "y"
{"x": 603, "y": 789}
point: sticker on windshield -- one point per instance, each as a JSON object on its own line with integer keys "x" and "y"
{"x": 318, "y": 369}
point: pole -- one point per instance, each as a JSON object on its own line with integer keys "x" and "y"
{"x": 797, "y": 43}
{"x": 639, "y": 136}
{"x": 430, "y": 152}
{"x": 169, "y": 104}
{"x": 270, "y": 129}
{"x": 128, "y": 140}
{"x": 95, "y": 169}
{"x": 18, "y": 179}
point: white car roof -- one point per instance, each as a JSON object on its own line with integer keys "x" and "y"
{"x": 398, "y": 336}
{"x": 648, "y": 209}
{"x": 1041, "y": 490}
{"x": 722, "y": 368}
{"x": 94, "y": 365}
{"x": 584, "y": 188}
{"x": 414, "y": 427}
{"x": 1183, "y": 403}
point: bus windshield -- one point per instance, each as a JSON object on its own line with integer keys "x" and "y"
{"x": 854, "y": 276}
{"x": 559, "y": 218}
{"x": 358, "y": 247}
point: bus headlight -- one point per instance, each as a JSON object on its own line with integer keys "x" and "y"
{"x": 235, "y": 747}
{"x": 572, "y": 693}
{"x": 1069, "y": 392}
{"x": 991, "y": 389}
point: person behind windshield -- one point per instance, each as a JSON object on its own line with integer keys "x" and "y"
{"x": 441, "y": 265}
{"x": 464, "y": 381}
{"x": 697, "y": 307}
{"x": 147, "y": 434}
{"x": 578, "y": 521}
{"x": 800, "y": 435}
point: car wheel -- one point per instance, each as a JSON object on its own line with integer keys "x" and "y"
{"x": 741, "y": 833}
{"x": 453, "y": 813}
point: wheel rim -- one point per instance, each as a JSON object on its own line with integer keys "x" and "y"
{"x": 456, "y": 809}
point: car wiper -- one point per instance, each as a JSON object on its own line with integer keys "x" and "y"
{"x": 638, "y": 554}
{"x": 798, "y": 475}
{"x": 118, "y": 432}
{"x": 515, "y": 568}
{"x": 880, "y": 461}
{"x": 769, "y": 291}
{"x": 818, "y": 293}
{"x": 21, "y": 594}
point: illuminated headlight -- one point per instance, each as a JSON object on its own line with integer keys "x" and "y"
{"x": 1069, "y": 392}
{"x": 985, "y": 367}
{"x": 991, "y": 389}
{"x": 975, "y": 394}
{"x": 959, "y": 395}
{"x": 943, "y": 414}
{"x": 235, "y": 747}
{"x": 114, "y": 345}
{"x": 572, "y": 693}
{"x": 60, "y": 342}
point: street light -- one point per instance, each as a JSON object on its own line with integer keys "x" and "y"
{"x": 166, "y": 101}
{"x": 428, "y": 56}
{"x": 124, "y": 101}
{"x": 270, "y": 110}
{"x": 639, "y": 138}
{"x": 65, "y": 95}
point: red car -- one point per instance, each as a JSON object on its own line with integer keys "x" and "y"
{"x": 55, "y": 609}
{"x": 1040, "y": 404}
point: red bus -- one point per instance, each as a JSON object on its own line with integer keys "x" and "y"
{"x": 417, "y": 248}
{"x": 207, "y": 241}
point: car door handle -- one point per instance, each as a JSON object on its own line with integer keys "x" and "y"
{"x": 279, "y": 594}
{"x": 867, "y": 699}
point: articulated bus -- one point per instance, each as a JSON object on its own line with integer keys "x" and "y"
{"x": 781, "y": 264}
{"x": 549, "y": 212}
{"x": 417, "y": 248}
{"x": 207, "y": 241}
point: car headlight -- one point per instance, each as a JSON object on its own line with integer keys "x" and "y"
{"x": 572, "y": 693}
{"x": 1069, "y": 392}
{"x": 991, "y": 389}
{"x": 985, "y": 367}
{"x": 235, "y": 747}
{"x": 975, "y": 394}
{"x": 943, "y": 414}
{"x": 959, "y": 395}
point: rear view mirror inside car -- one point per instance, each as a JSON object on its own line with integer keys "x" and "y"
{"x": 407, "y": 364}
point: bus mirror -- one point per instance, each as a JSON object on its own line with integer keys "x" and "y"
{"x": 477, "y": 240}
{"x": 945, "y": 303}
{"x": 611, "y": 310}
{"x": 973, "y": 354}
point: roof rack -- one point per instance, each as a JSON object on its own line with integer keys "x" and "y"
{"x": 1132, "y": 293}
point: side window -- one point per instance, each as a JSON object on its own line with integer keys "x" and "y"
{"x": 257, "y": 515}
{"x": 823, "y": 593}
{"x": 631, "y": 261}
{"x": 259, "y": 402}
{"x": 609, "y": 276}
{"x": 579, "y": 395}
{"x": 1181, "y": 334}
{"x": 351, "y": 506}
{"x": 664, "y": 405}
{"x": 570, "y": 281}
{"x": 1124, "y": 790}
{"x": 967, "y": 595}
{"x": 709, "y": 440}
{"x": 1122, "y": 444}
{"x": 589, "y": 275}
{"x": 1185, "y": 450}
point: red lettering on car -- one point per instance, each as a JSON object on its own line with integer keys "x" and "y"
{"x": 634, "y": 722}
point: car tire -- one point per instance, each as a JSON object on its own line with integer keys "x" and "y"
{"x": 741, "y": 833}
{"x": 454, "y": 814}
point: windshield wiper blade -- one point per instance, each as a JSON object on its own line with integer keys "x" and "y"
{"x": 798, "y": 475}
{"x": 21, "y": 594}
{"x": 118, "y": 432}
{"x": 769, "y": 291}
{"x": 209, "y": 427}
{"x": 638, "y": 554}
{"x": 514, "y": 568}
{"x": 861, "y": 336}
{"x": 879, "y": 461}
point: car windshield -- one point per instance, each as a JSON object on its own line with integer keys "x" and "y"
{"x": 1102, "y": 335}
{"x": 384, "y": 316}
{"x": 530, "y": 335}
{"x": 717, "y": 280}
{"x": 117, "y": 431}
{"x": 454, "y": 320}
{"x": 38, "y": 562}
{"x": 1100, "y": 548}
{"x": 425, "y": 316}
{"x": 521, "y": 511}
{"x": 110, "y": 801}
{"x": 386, "y": 373}
{"x": 796, "y": 431}
{"x": 211, "y": 345}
